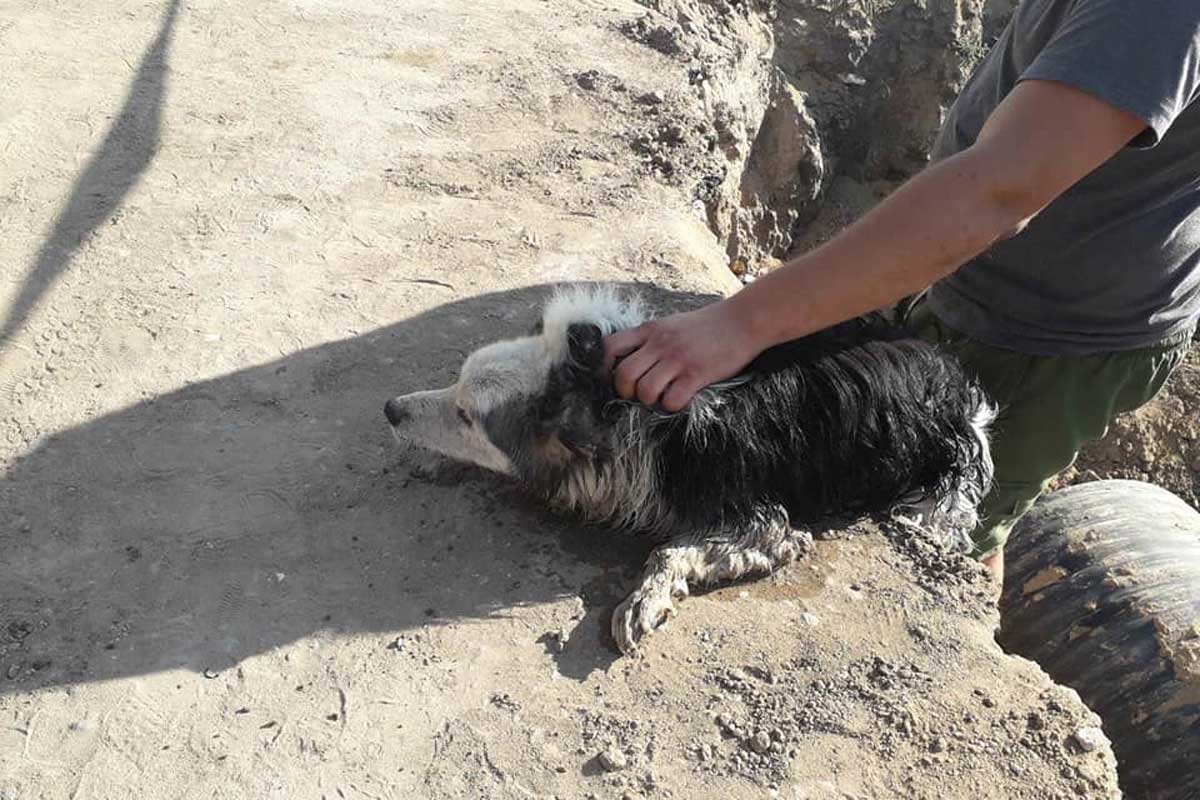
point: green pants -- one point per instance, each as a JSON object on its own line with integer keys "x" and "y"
{"x": 1050, "y": 406}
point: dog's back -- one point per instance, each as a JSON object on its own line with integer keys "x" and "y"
{"x": 858, "y": 418}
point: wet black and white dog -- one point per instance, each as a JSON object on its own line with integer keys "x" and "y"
{"x": 858, "y": 419}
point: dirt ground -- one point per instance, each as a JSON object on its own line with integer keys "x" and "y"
{"x": 232, "y": 229}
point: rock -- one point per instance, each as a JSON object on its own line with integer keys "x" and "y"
{"x": 810, "y": 619}
{"x": 1089, "y": 739}
{"x": 760, "y": 742}
{"x": 613, "y": 760}
{"x": 19, "y": 629}
{"x": 505, "y": 701}
{"x": 651, "y": 98}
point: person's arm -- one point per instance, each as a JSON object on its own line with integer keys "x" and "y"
{"x": 1041, "y": 140}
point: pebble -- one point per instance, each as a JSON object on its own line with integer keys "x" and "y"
{"x": 613, "y": 759}
{"x": 810, "y": 619}
{"x": 1089, "y": 739}
{"x": 760, "y": 742}
{"x": 651, "y": 98}
{"x": 938, "y": 745}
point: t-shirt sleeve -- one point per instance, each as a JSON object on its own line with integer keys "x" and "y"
{"x": 1140, "y": 56}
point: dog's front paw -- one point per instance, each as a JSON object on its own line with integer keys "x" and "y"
{"x": 645, "y": 609}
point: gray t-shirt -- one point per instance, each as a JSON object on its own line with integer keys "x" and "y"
{"x": 1113, "y": 263}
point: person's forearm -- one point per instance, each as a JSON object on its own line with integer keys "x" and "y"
{"x": 937, "y": 221}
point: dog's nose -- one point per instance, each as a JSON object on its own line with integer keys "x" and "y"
{"x": 395, "y": 411}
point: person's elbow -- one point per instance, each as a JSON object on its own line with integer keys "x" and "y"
{"x": 1017, "y": 200}
{"x": 1010, "y": 192}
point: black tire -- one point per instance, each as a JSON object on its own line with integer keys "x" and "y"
{"x": 1103, "y": 591}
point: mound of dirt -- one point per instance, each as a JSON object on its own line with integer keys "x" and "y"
{"x": 236, "y": 228}
{"x": 792, "y": 93}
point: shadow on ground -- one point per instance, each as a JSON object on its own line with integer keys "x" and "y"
{"x": 124, "y": 155}
{"x": 234, "y": 515}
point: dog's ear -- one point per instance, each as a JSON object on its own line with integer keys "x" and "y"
{"x": 585, "y": 344}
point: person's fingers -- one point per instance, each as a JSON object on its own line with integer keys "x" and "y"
{"x": 652, "y": 384}
{"x": 630, "y": 371}
{"x": 680, "y": 393}
{"x": 622, "y": 343}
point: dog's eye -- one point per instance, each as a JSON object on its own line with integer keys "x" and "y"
{"x": 464, "y": 416}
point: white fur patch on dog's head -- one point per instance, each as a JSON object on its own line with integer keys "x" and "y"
{"x": 503, "y": 370}
{"x": 596, "y": 304}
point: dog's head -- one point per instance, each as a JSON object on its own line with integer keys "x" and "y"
{"x": 530, "y": 406}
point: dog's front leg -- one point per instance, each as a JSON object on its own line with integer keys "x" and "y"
{"x": 759, "y": 547}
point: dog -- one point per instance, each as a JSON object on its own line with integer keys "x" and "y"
{"x": 860, "y": 419}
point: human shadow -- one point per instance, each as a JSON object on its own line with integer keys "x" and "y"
{"x": 234, "y": 515}
{"x": 126, "y": 152}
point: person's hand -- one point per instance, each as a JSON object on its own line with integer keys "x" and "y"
{"x": 666, "y": 361}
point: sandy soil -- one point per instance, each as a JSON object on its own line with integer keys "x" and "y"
{"x": 233, "y": 229}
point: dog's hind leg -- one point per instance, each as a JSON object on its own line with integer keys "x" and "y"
{"x": 673, "y": 568}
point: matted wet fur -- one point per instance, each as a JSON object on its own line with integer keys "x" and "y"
{"x": 858, "y": 419}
